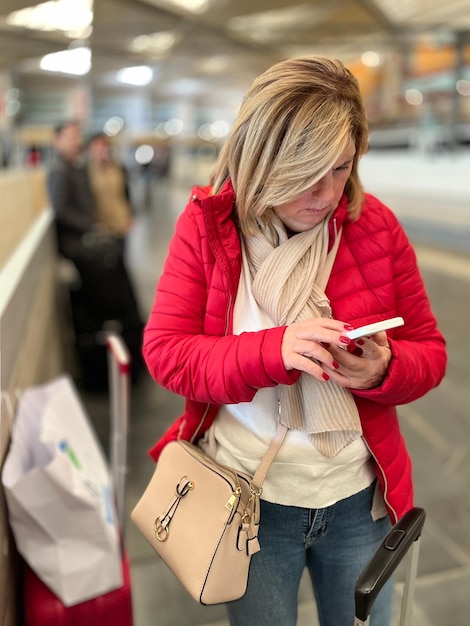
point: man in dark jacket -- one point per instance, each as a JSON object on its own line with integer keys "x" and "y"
{"x": 70, "y": 192}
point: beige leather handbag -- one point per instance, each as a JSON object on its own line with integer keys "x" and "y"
{"x": 202, "y": 519}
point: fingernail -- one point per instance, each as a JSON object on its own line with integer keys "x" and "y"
{"x": 335, "y": 365}
{"x": 344, "y": 339}
{"x": 357, "y": 351}
{"x": 325, "y": 376}
{"x": 324, "y": 344}
{"x": 361, "y": 342}
{"x": 348, "y": 327}
{"x": 353, "y": 349}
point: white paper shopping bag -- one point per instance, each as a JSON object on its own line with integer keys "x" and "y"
{"x": 59, "y": 495}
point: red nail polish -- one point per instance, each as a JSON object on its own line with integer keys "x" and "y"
{"x": 353, "y": 349}
{"x": 360, "y": 342}
{"x": 344, "y": 339}
{"x": 335, "y": 365}
{"x": 348, "y": 327}
{"x": 325, "y": 376}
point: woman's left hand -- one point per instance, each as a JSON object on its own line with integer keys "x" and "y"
{"x": 364, "y": 364}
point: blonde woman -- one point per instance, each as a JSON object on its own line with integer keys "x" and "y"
{"x": 110, "y": 188}
{"x": 269, "y": 267}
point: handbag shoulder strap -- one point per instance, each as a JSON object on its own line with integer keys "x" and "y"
{"x": 268, "y": 458}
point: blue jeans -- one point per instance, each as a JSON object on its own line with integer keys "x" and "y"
{"x": 334, "y": 543}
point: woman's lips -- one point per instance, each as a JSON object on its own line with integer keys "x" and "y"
{"x": 312, "y": 210}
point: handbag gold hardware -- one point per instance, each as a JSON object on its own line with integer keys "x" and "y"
{"x": 161, "y": 525}
{"x": 205, "y": 535}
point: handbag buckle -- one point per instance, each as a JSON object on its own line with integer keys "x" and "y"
{"x": 161, "y": 525}
{"x": 161, "y": 532}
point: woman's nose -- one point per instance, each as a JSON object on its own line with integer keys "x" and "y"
{"x": 323, "y": 189}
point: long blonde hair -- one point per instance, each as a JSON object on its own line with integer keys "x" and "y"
{"x": 294, "y": 123}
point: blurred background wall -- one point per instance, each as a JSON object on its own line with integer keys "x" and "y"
{"x": 169, "y": 74}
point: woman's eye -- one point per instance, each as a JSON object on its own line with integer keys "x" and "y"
{"x": 342, "y": 168}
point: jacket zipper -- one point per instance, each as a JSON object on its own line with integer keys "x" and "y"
{"x": 194, "y": 198}
{"x": 201, "y": 421}
{"x": 384, "y": 480}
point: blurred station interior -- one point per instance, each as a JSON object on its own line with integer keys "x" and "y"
{"x": 163, "y": 79}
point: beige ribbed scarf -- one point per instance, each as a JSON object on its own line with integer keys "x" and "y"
{"x": 289, "y": 276}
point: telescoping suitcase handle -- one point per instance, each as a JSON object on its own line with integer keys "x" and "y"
{"x": 405, "y": 534}
{"x": 119, "y": 366}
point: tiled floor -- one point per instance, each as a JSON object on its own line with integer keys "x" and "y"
{"x": 437, "y": 427}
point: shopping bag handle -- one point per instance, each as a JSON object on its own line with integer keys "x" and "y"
{"x": 386, "y": 559}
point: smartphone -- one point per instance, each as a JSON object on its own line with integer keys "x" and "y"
{"x": 376, "y": 327}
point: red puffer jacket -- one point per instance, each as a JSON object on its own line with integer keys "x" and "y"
{"x": 189, "y": 348}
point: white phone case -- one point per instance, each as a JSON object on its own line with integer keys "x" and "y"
{"x": 376, "y": 327}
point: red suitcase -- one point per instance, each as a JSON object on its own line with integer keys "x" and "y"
{"x": 41, "y": 606}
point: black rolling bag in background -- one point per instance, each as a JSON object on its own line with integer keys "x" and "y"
{"x": 104, "y": 301}
{"x": 403, "y": 539}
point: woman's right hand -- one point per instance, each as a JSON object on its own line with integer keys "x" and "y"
{"x": 302, "y": 347}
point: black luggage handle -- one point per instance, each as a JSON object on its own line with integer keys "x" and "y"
{"x": 385, "y": 560}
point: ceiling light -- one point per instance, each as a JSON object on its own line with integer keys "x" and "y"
{"x": 220, "y": 129}
{"x": 204, "y": 132}
{"x": 76, "y": 61}
{"x": 193, "y": 6}
{"x": 140, "y": 43}
{"x": 414, "y": 97}
{"x": 12, "y": 94}
{"x": 156, "y": 43}
{"x": 463, "y": 87}
{"x": 113, "y": 126}
{"x": 139, "y": 75}
{"x": 173, "y": 126}
{"x": 160, "y": 131}
{"x": 216, "y": 130}
{"x": 163, "y": 41}
{"x": 144, "y": 154}
{"x": 73, "y": 17}
{"x": 12, "y": 108}
{"x": 370, "y": 58}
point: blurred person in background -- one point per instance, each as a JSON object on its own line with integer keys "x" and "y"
{"x": 102, "y": 295}
{"x": 270, "y": 266}
{"x": 70, "y": 192}
{"x": 110, "y": 186}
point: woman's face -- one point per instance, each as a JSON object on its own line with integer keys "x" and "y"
{"x": 319, "y": 200}
{"x": 99, "y": 150}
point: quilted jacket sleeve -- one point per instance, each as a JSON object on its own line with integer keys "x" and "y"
{"x": 186, "y": 342}
{"x": 418, "y": 348}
